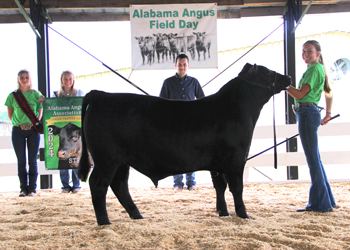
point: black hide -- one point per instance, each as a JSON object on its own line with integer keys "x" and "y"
{"x": 160, "y": 138}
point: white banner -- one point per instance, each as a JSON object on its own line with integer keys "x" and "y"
{"x": 160, "y": 32}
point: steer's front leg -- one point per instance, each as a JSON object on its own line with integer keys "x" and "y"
{"x": 236, "y": 187}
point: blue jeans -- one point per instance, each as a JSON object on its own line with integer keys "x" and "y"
{"x": 64, "y": 174}
{"x": 21, "y": 139}
{"x": 320, "y": 198}
{"x": 190, "y": 180}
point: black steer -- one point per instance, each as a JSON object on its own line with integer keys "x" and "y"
{"x": 160, "y": 138}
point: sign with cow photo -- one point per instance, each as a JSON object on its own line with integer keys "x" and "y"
{"x": 62, "y": 122}
{"x": 159, "y": 33}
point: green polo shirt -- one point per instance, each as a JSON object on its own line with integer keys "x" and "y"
{"x": 18, "y": 116}
{"x": 314, "y": 76}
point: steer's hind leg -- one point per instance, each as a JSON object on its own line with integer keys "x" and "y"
{"x": 120, "y": 188}
{"x": 220, "y": 186}
{"x": 99, "y": 181}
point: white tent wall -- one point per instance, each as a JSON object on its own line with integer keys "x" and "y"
{"x": 335, "y": 45}
{"x": 269, "y": 54}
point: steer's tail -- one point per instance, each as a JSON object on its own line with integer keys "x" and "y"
{"x": 84, "y": 164}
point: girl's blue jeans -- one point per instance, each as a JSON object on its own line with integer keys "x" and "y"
{"x": 22, "y": 139}
{"x": 320, "y": 197}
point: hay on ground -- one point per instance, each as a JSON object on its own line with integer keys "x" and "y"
{"x": 176, "y": 220}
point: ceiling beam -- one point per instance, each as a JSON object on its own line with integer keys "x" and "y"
{"x": 103, "y": 4}
{"x": 106, "y": 10}
{"x": 222, "y": 14}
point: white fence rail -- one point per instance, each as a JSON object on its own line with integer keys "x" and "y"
{"x": 298, "y": 158}
{"x": 263, "y": 160}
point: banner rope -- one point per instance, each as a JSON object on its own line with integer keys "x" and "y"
{"x": 242, "y": 56}
{"x": 99, "y": 61}
{"x": 132, "y": 69}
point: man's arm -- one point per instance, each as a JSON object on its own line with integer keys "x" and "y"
{"x": 199, "y": 91}
{"x": 164, "y": 92}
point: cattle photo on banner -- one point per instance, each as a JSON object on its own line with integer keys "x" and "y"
{"x": 161, "y": 32}
{"x": 62, "y": 123}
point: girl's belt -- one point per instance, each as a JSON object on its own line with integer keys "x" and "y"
{"x": 303, "y": 104}
{"x": 25, "y": 126}
{"x": 296, "y": 106}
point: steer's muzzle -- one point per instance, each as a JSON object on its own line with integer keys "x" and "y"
{"x": 282, "y": 82}
{"x": 62, "y": 154}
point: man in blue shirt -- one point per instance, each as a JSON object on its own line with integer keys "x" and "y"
{"x": 182, "y": 87}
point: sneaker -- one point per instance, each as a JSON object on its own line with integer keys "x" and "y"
{"x": 178, "y": 189}
{"x": 32, "y": 194}
{"x": 22, "y": 194}
{"x": 192, "y": 188}
{"x": 65, "y": 191}
{"x": 75, "y": 191}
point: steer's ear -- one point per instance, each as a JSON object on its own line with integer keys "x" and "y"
{"x": 249, "y": 73}
{"x": 55, "y": 130}
{"x": 246, "y": 68}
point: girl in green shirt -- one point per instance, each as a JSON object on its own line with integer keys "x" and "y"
{"x": 24, "y": 134}
{"x": 307, "y": 96}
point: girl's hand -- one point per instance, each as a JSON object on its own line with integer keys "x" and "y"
{"x": 326, "y": 119}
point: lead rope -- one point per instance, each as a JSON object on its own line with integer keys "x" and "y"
{"x": 274, "y": 134}
{"x": 274, "y": 123}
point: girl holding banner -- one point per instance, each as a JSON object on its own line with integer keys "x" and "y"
{"x": 67, "y": 90}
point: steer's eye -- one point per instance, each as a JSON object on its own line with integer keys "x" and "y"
{"x": 74, "y": 138}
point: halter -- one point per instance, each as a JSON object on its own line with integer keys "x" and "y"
{"x": 271, "y": 86}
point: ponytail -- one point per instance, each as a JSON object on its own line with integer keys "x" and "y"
{"x": 326, "y": 87}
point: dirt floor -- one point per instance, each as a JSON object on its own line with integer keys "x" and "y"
{"x": 176, "y": 220}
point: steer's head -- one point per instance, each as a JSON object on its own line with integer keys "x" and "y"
{"x": 70, "y": 141}
{"x": 171, "y": 37}
{"x": 265, "y": 78}
{"x": 159, "y": 37}
{"x": 140, "y": 41}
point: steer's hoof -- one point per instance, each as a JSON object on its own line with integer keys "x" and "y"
{"x": 137, "y": 217}
{"x": 245, "y": 217}
{"x": 221, "y": 214}
{"x": 104, "y": 223}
